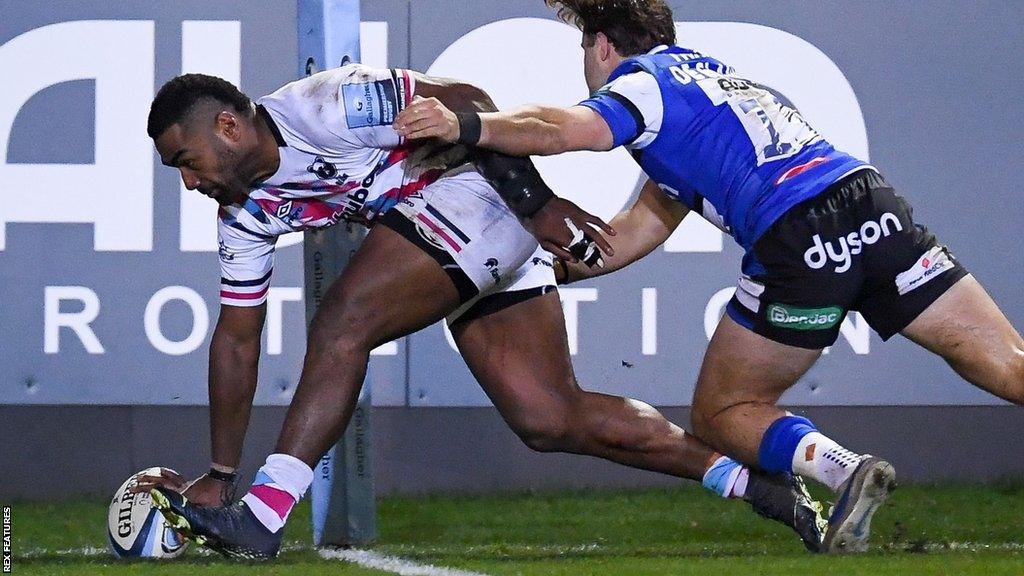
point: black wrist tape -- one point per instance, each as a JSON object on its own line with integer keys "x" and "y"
{"x": 516, "y": 181}
{"x": 228, "y": 477}
{"x": 469, "y": 128}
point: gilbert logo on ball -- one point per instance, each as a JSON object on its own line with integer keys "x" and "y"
{"x": 135, "y": 529}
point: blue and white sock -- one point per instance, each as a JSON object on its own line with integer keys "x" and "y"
{"x": 793, "y": 444}
{"x": 727, "y": 478}
{"x": 820, "y": 457}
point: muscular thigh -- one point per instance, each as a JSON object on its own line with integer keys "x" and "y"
{"x": 520, "y": 356}
{"x": 968, "y": 330}
{"x": 742, "y": 367}
{"x": 390, "y": 288}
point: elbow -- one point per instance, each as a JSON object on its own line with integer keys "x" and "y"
{"x": 464, "y": 97}
{"x": 560, "y": 141}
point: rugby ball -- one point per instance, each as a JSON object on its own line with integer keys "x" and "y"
{"x": 135, "y": 529}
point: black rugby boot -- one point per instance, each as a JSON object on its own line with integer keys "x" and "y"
{"x": 231, "y": 530}
{"x": 784, "y": 498}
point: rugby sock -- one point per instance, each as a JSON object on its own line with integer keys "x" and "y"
{"x": 727, "y": 478}
{"x": 821, "y": 458}
{"x": 279, "y": 484}
{"x": 793, "y": 444}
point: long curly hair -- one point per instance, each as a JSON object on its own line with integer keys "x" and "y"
{"x": 632, "y": 26}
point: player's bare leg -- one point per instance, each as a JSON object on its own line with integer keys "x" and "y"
{"x": 741, "y": 379}
{"x": 389, "y": 289}
{"x": 520, "y": 356}
{"x": 968, "y": 330}
{"x": 734, "y": 410}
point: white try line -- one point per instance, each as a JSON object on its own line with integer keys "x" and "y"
{"x": 395, "y": 564}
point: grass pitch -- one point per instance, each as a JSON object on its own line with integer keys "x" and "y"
{"x": 922, "y": 530}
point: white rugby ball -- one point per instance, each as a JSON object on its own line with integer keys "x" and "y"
{"x": 136, "y": 529}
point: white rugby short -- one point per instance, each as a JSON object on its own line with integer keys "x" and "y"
{"x": 462, "y": 215}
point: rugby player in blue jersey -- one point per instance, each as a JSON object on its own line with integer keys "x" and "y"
{"x": 823, "y": 234}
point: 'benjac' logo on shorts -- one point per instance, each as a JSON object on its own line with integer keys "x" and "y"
{"x": 804, "y": 318}
{"x": 850, "y": 245}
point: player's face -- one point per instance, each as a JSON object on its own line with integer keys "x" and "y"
{"x": 596, "y": 68}
{"x": 207, "y": 160}
{"x": 591, "y": 64}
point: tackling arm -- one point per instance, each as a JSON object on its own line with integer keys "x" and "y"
{"x": 640, "y": 229}
{"x": 528, "y": 130}
{"x": 544, "y": 131}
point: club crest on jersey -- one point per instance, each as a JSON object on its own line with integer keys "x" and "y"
{"x": 492, "y": 266}
{"x": 322, "y": 168}
{"x": 225, "y": 254}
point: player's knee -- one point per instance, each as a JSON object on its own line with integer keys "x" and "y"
{"x": 701, "y": 417}
{"x": 349, "y": 330}
{"x": 552, "y": 433}
{"x": 1015, "y": 378}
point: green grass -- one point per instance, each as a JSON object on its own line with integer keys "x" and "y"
{"x": 922, "y": 530}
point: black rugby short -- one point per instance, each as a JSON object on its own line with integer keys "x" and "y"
{"x": 855, "y": 246}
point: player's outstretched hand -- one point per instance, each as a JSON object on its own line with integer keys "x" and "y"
{"x": 571, "y": 233}
{"x": 427, "y": 118}
{"x": 168, "y": 479}
{"x": 203, "y": 491}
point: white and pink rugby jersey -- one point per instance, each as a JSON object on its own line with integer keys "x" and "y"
{"x": 340, "y": 159}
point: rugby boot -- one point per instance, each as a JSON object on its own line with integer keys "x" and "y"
{"x": 230, "y": 530}
{"x": 784, "y": 498}
{"x": 849, "y": 524}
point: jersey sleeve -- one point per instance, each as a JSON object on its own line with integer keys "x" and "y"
{"x": 344, "y": 110}
{"x": 246, "y": 264}
{"x": 632, "y": 107}
{"x": 371, "y": 100}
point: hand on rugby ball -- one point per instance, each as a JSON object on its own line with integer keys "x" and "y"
{"x": 167, "y": 479}
{"x": 203, "y": 491}
{"x": 571, "y": 233}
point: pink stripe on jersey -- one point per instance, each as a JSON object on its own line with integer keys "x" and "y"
{"x": 439, "y": 232}
{"x": 240, "y": 296}
{"x": 279, "y": 501}
{"x": 405, "y": 82}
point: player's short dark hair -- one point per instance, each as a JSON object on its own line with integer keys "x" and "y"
{"x": 633, "y": 26}
{"x": 177, "y": 97}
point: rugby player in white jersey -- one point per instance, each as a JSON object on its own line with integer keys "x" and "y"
{"x": 443, "y": 244}
{"x": 822, "y": 231}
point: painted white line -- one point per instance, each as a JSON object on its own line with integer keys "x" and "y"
{"x": 87, "y": 551}
{"x": 967, "y": 547}
{"x": 400, "y": 566}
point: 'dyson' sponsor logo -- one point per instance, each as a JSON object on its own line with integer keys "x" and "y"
{"x": 842, "y": 250}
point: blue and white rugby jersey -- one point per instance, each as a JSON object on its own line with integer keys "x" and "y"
{"x": 724, "y": 146}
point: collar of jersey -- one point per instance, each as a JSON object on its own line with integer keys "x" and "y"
{"x": 262, "y": 111}
{"x": 630, "y": 65}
